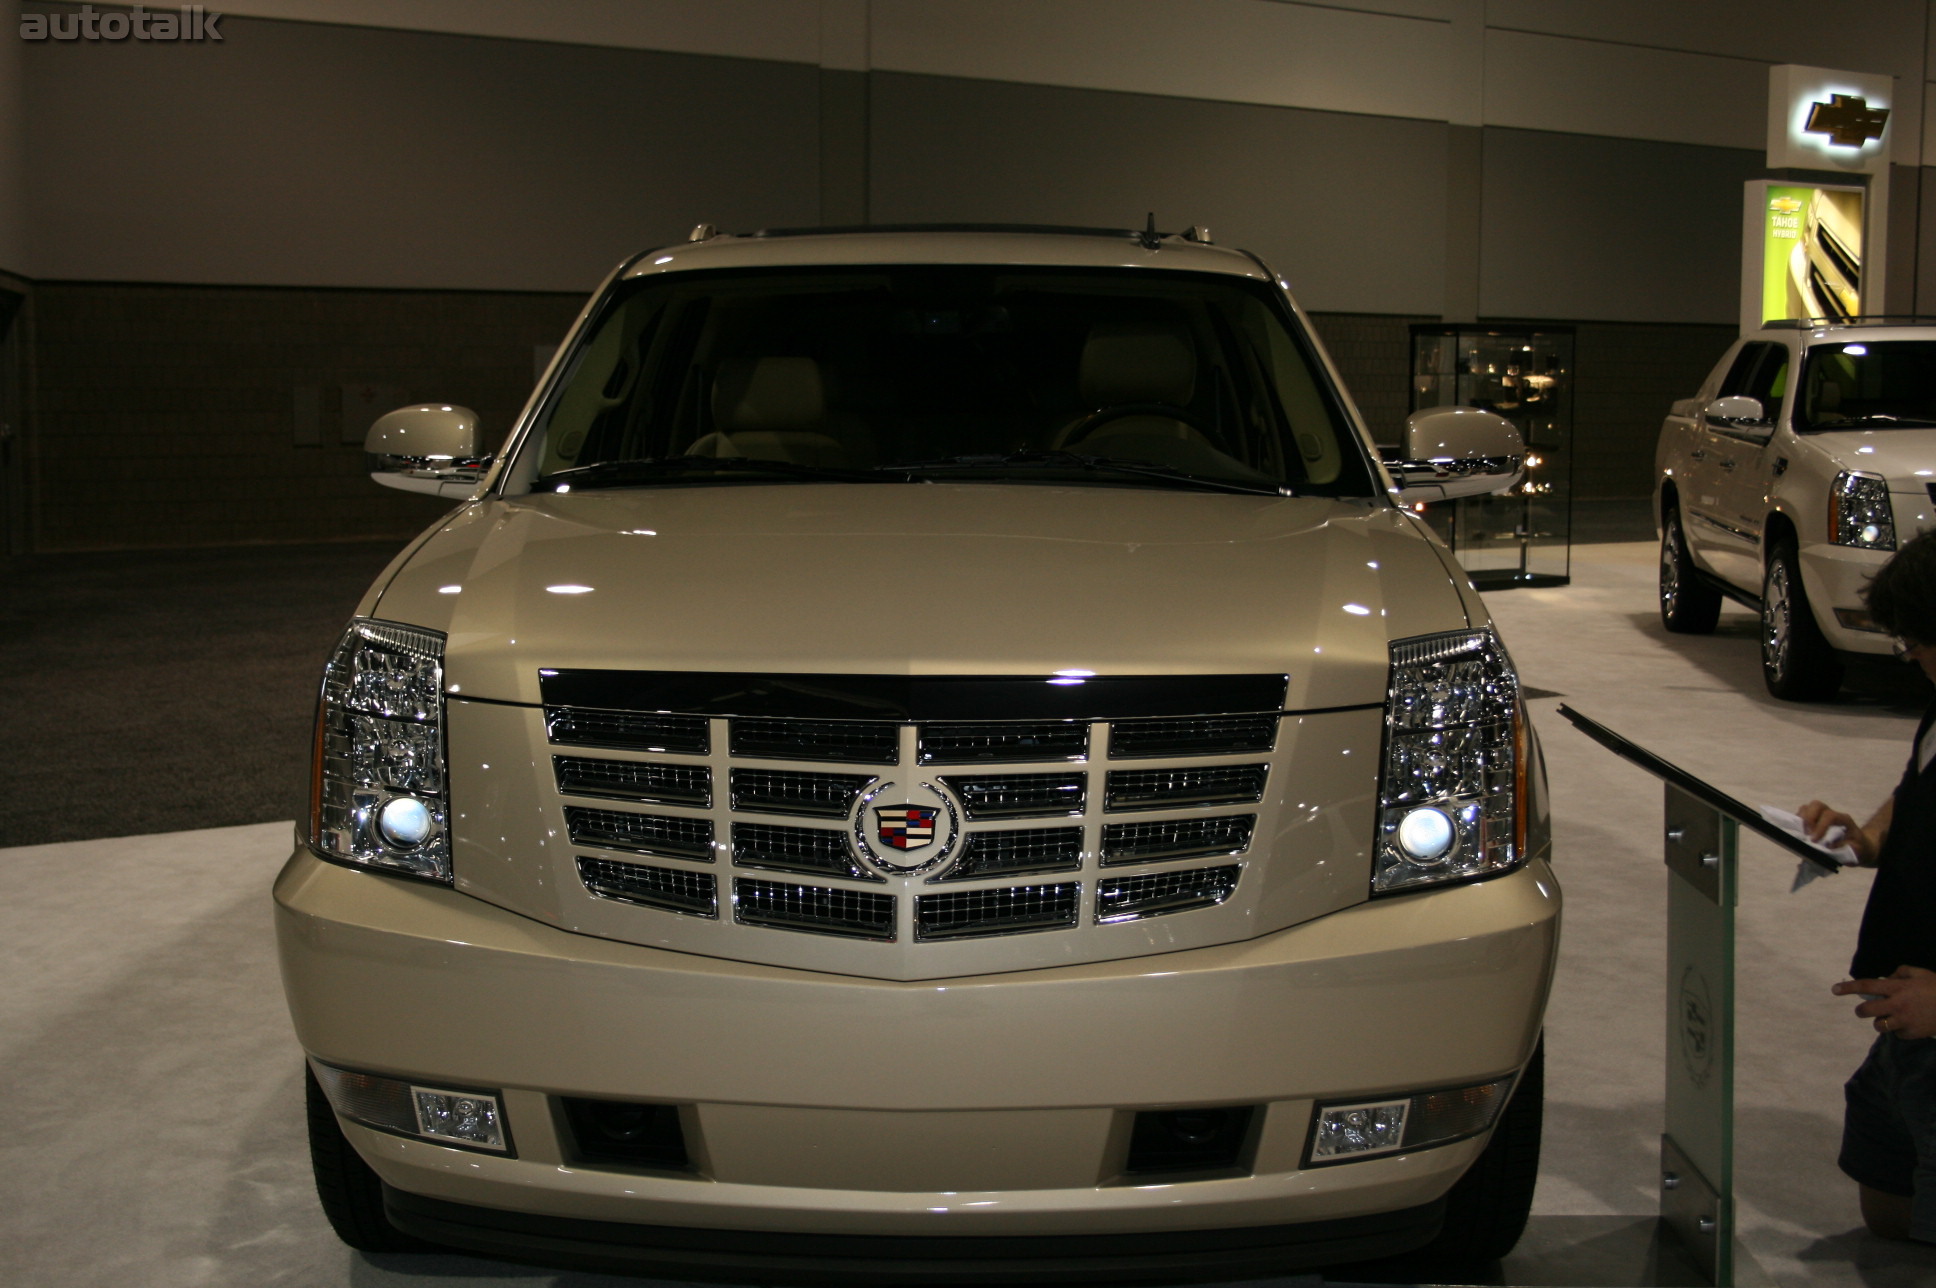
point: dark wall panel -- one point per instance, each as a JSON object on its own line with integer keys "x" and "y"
{"x": 303, "y": 154}
{"x": 1613, "y": 230}
{"x": 1350, "y": 208}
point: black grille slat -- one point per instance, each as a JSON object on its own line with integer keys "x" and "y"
{"x": 1026, "y": 849}
{"x": 685, "y": 838}
{"x": 694, "y": 894}
{"x": 635, "y": 780}
{"x": 813, "y": 850}
{"x": 855, "y": 914}
{"x": 1020, "y": 795}
{"x": 782, "y": 791}
{"x": 973, "y": 743}
{"x": 1158, "y": 893}
{"x": 1176, "y": 788}
{"x": 1200, "y": 736}
{"x": 630, "y": 730}
{"x": 965, "y": 914}
{"x": 849, "y": 741}
{"x": 1177, "y": 838}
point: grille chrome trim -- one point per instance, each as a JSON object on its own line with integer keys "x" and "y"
{"x": 1133, "y": 789}
{"x": 1009, "y": 910}
{"x": 853, "y": 742}
{"x": 690, "y": 894}
{"x": 785, "y": 791}
{"x": 628, "y": 730}
{"x": 986, "y": 796}
{"x": 1158, "y": 894}
{"x": 1176, "y": 838}
{"x": 1249, "y": 735}
{"x": 635, "y": 780}
{"x": 681, "y": 838}
{"x": 812, "y": 851}
{"x": 1015, "y": 851}
{"x": 817, "y": 910}
{"x": 973, "y": 743}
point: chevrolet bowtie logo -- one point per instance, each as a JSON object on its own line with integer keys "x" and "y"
{"x": 1848, "y": 121}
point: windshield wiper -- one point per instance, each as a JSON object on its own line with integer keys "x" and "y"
{"x": 656, "y": 468}
{"x": 1076, "y": 460}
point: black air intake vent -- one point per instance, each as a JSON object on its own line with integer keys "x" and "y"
{"x": 850, "y": 741}
{"x": 631, "y": 730}
{"x": 1202, "y": 736}
{"x": 968, "y": 744}
{"x": 854, "y": 914}
{"x": 635, "y": 780}
{"x": 1176, "y": 788}
{"x": 816, "y": 851}
{"x": 1019, "y": 795}
{"x": 1018, "y": 850}
{"x": 1178, "y": 838}
{"x": 671, "y": 889}
{"x": 783, "y": 791}
{"x": 964, "y": 914}
{"x": 1133, "y": 898}
{"x": 683, "y": 838}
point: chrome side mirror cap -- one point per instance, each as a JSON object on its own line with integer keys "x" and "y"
{"x": 1449, "y": 452}
{"x": 435, "y": 448}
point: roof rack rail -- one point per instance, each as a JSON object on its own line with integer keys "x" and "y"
{"x": 1862, "y": 319}
{"x": 1193, "y": 234}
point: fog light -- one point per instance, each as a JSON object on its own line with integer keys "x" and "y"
{"x": 1426, "y": 836}
{"x": 404, "y": 821}
{"x": 467, "y": 1119}
{"x": 1341, "y": 1133}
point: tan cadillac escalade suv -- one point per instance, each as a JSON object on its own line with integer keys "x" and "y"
{"x": 928, "y": 756}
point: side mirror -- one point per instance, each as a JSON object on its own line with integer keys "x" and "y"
{"x": 1736, "y": 412}
{"x": 1447, "y": 452}
{"x": 431, "y": 447}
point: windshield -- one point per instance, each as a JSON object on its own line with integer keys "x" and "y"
{"x": 1875, "y": 384}
{"x": 966, "y": 372}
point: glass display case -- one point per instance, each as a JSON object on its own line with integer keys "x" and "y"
{"x": 1526, "y": 375}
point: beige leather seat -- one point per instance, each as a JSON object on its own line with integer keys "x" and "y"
{"x": 1126, "y": 364}
{"x": 772, "y": 408}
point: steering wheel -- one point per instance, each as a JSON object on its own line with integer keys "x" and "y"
{"x": 1082, "y": 428}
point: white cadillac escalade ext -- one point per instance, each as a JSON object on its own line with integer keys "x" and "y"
{"x": 928, "y": 756}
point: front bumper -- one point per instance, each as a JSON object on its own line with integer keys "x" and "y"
{"x": 1834, "y": 577}
{"x": 987, "y": 1106}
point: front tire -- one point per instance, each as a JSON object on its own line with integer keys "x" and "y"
{"x": 1797, "y": 661}
{"x": 350, "y": 1193}
{"x": 1688, "y": 605}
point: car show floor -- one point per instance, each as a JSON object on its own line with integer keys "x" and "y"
{"x": 152, "y": 1089}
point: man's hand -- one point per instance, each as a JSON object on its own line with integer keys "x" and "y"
{"x": 1821, "y": 821}
{"x": 1904, "y": 1005}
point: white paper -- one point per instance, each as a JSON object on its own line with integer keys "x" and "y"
{"x": 1833, "y": 851}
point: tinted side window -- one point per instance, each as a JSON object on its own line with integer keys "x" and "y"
{"x": 1745, "y": 362}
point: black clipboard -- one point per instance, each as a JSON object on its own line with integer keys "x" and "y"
{"x": 1700, "y": 789}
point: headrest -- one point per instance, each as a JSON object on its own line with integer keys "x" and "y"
{"x": 1135, "y": 363}
{"x": 768, "y": 393}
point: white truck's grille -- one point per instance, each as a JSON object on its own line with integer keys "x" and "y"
{"x": 770, "y": 822}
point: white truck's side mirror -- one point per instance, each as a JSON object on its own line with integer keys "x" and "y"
{"x": 1448, "y": 452}
{"x": 431, "y": 447}
{"x": 1736, "y": 411}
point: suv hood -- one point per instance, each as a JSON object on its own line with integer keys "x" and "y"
{"x": 1906, "y": 457}
{"x": 926, "y": 579}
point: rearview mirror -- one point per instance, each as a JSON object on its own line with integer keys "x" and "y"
{"x": 431, "y": 447}
{"x": 1448, "y": 452}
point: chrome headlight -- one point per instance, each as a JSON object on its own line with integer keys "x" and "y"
{"x": 1452, "y": 805}
{"x": 1859, "y": 513}
{"x": 378, "y": 791}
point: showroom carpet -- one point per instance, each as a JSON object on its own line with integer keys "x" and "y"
{"x": 152, "y": 1089}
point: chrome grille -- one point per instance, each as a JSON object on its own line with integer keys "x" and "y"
{"x": 961, "y": 914}
{"x": 856, "y": 914}
{"x": 632, "y": 730}
{"x": 961, "y": 744}
{"x": 673, "y": 889}
{"x": 1202, "y": 736}
{"x": 685, "y": 838}
{"x": 857, "y": 742}
{"x": 1027, "y": 849}
{"x": 1176, "y": 838}
{"x": 1170, "y": 788}
{"x": 1157, "y": 893}
{"x": 783, "y": 791}
{"x": 814, "y": 850}
{"x": 635, "y": 780}
{"x": 1019, "y": 795}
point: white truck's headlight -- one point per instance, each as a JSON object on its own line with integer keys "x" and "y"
{"x": 378, "y": 794}
{"x": 1859, "y": 513}
{"x": 1452, "y": 805}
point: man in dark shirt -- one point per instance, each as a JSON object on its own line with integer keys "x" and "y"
{"x": 1889, "y": 1130}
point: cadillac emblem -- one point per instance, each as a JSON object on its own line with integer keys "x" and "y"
{"x": 901, "y": 829}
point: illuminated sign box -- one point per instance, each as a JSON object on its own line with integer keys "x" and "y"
{"x": 1820, "y": 119}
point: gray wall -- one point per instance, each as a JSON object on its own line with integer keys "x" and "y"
{"x": 304, "y": 154}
